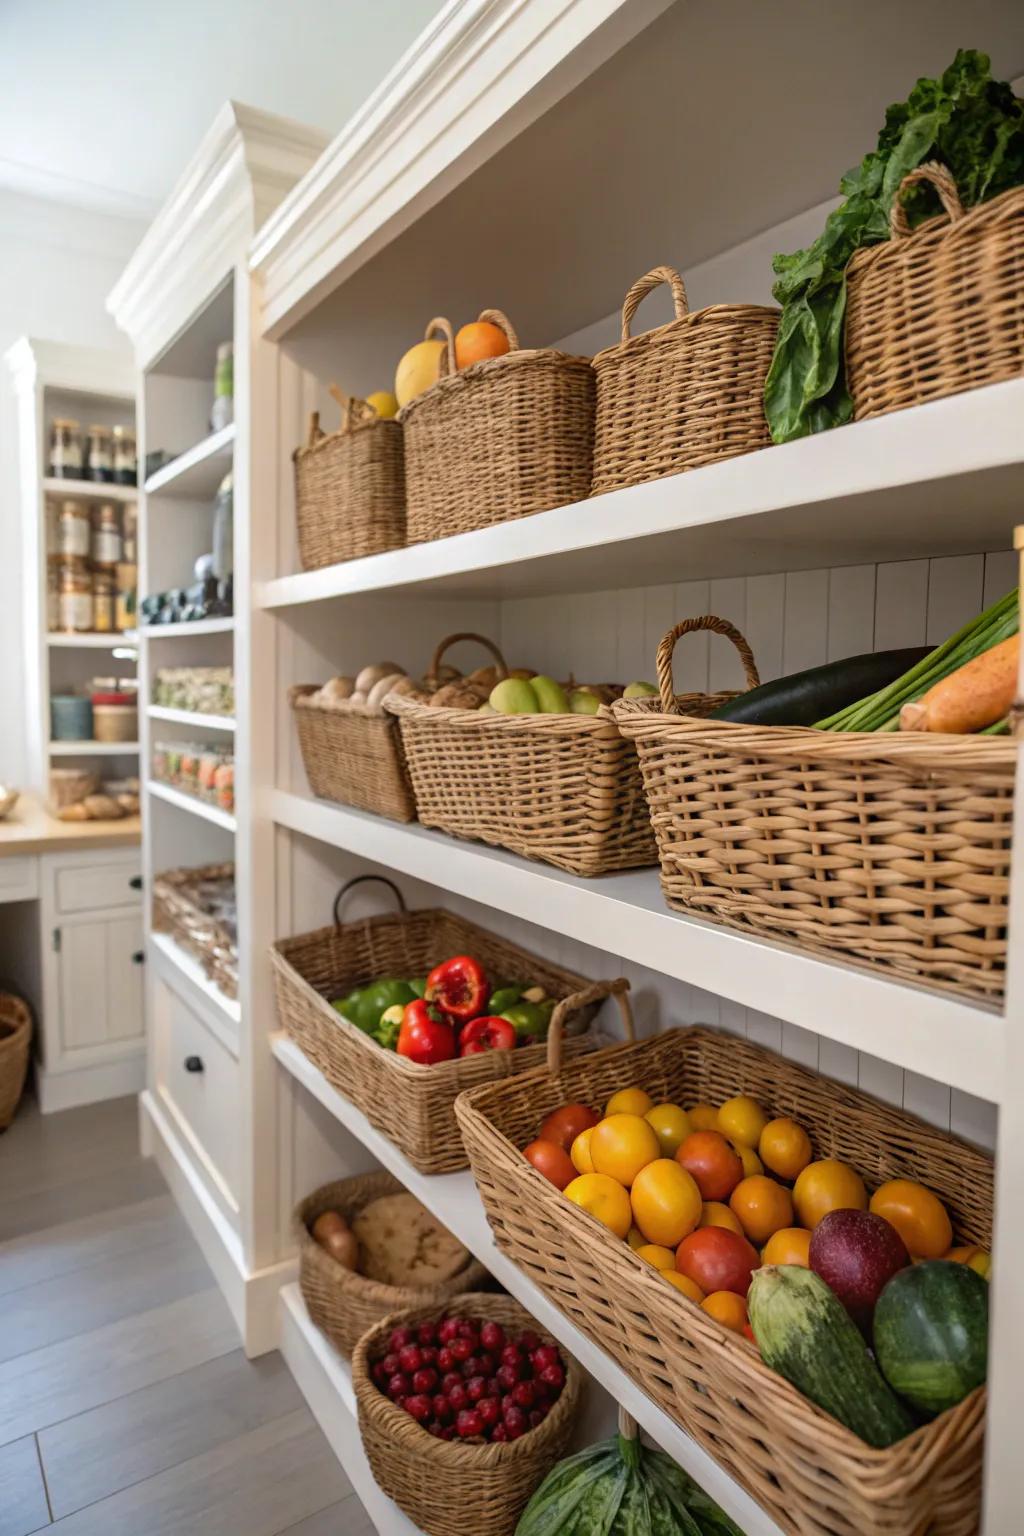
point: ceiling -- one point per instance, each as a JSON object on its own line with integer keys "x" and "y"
{"x": 102, "y": 104}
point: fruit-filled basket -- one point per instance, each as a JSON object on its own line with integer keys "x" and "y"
{"x": 349, "y": 486}
{"x": 809, "y": 1470}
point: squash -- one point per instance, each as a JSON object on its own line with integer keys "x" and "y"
{"x": 931, "y": 1334}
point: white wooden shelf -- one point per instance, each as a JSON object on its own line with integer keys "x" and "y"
{"x": 191, "y": 717}
{"x": 91, "y": 490}
{"x": 186, "y": 969}
{"x": 196, "y": 474}
{"x": 193, "y": 804}
{"x": 938, "y": 1035}
{"x": 182, "y": 631}
{"x": 93, "y": 748}
{"x": 90, "y": 642}
{"x": 454, "y": 1199}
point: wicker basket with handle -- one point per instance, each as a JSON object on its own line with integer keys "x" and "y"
{"x": 809, "y": 1472}
{"x": 352, "y": 754}
{"x": 349, "y": 487}
{"x": 685, "y": 394}
{"x": 413, "y": 1105}
{"x": 342, "y": 1303}
{"x": 891, "y": 848}
{"x": 501, "y": 439}
{"x": 15, "y": 1044}
{"x": 454, "y": 1488}
{"x": 939, "y": 310}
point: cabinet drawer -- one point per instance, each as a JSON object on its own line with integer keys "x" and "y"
{"x": 19, "y": 878}
{"x": 199, "y": 1081}
{"x": 91, "y": 887}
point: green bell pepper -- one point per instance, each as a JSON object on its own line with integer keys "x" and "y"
{"x": 530, "y": 1020}
{"x": 364, "y": 1007}
{"x": 504, "y": 996}
{"x": 419, "y": 985}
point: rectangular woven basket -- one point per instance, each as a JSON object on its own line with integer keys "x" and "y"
{"x": 176, "y": 911}
{"x": 349, "y": 487}
{"x": 685, "y": 394}
{"x": 810, "y": 1473}
{"x": 352, "y": 754}
{"x": 939, "y": 310}
{"x": 501, "y": 439}
{"x": 412, "y": 1105}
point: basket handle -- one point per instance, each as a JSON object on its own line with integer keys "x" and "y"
{"x": 446, "y": 364}
{"x": 354, "y": 412}
{"x": 935, "y": 175}
{"x": 647, "y": 284}
{"x": 619, "y": 989}
{"x": 316, "y": 431}
{"x": 362, "y": 880}
{"x": 666, "y": 686}
{"x": 467, "y": 634}
{"x": 499, "y": 318}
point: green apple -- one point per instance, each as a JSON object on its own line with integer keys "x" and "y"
{"x": 639, "y": 691}
{"x": 583, "y": 702}
{"x": 486, "y": 709}
{"x": 514, "y": 696}
{"x": 551, "y": 696}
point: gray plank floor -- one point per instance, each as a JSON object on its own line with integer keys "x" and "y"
{"x": 126, "y": 1406}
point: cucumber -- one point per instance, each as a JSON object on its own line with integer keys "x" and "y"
{"x": 805, "y": 1333}
{"x": 931, "y": 1334}
{"x": 806, "y": 697}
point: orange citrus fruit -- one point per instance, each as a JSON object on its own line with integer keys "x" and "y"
{"x": 580, "y": 1151}
{"x": 826, "y": 1186}
{"x": 728, "y": 1308}
{"x": 666, "y": 1202}
{"x": 748, "y": 1157}
{"x": 762, "y": 1205}
{"x": 623, "y": 1144}
{"x": 715, "y": 1214}
{"x": 789, "y": 1245}
{"x": 604, "y": 1198}
{"x": 741, "y": 1120}
{"x": 683, "y": 1283}
{"x": 628, "y": 1101}
{"x": 654, "y": 1253}
{"x": 635, "y": 1239}
{"x": 703, "y": 1117}
{"x": 919, "y": 1217}
{"x": 785, "y": 1148}
{"x": 671, "y": 1126}
{"x": 975, "y": 1258}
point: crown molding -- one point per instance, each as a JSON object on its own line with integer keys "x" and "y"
{"x": 58, "y": 365}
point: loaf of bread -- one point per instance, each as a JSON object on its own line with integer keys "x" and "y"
{"x": 401, "y": 1243}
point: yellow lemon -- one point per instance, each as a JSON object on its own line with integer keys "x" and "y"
{"x": 653, "y": 1253}
{"x": 635, "y": 1239}
{"x": 580, "y": 1151}
{"x": 621, "y": 1145}
{"x": 683, "y": 1283}
{"x": 748, "y": 1157}
{"x": 703, "y": 1118}
{"x": 604, "y": 1198}
{"x": 742, "y": 1120}
{"x": 628, "y": 1101}
{"x": 671, "y": 1126}
{"x": 384, "y": 403}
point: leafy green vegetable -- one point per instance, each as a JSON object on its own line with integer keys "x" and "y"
{"x": 967, "y": 121}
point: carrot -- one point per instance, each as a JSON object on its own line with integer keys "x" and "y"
{"x": 976, "y": 695}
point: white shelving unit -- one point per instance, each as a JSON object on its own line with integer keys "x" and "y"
{"x": 94, "y": 749}
{"x": 192, "y": 804}
{"x": 197, "y": 472}
{"x": 191, "y": 717}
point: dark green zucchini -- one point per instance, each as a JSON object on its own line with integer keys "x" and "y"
{"x": 805, "y": 697}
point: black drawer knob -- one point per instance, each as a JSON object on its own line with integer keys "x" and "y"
{"x": 136, "y": 882}
{"x": 139, "y": 957}
{"x": 193, "y": 1064}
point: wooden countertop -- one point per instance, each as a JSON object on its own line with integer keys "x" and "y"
{"x": 31, "y": 829}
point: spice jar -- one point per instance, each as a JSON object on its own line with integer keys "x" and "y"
{"x": 74, "y": 530}
{"x": 115, "y": 716}
{"x": 99, "y": 455}
{"x": 124, "y": 616}
{"x": 102, "y": 602}
{"x": 106, "y": 537}
{"x": 65, "y": 449}
{"x": 75, "y": 607}
{"x": 125, "y": 466}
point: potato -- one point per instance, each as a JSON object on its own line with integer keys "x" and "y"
{"x": 379, "y": 692}
{"x": 459, "y": 695}
{"x": 335, "y": 1237}
{"x": 337, "y": 688}
{"x": 370, "y": 675}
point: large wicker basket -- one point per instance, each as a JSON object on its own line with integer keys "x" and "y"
{"x": 886, "y": 848}
{"x": 501, "y": 439}
{"x": 813, "y": 1476}
{"x": 685, "y": 394}
{"x": 15, "y": 1043}
{"x": 352, "y": 754}
{"x": 411, "y": 1104}
{"x": 940, "y": 310}
{"x": 349, "y": 487}
{"x": 177, "y": 912}
{"x": 343, "y": 1304}
{"x": 453, "y": 1488}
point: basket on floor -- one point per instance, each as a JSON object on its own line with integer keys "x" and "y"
{"x": 15, "y": 1043}
{"x": 452, "y": 1487}
{"x": 498, "y": 440}
{"x": 412, "y": 1105}
{"x": 352, "y": 754}
{"x": 808, "y": 1471}
{"x": 685, "y": 394}
{"x": 343, "y": 1304}
{"x": 890, "y": 848}
{"x": 939, "y": 310}
{"x": 349, "y": 487}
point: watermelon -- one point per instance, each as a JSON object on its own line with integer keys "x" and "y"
{"x": 931, "y": 1334}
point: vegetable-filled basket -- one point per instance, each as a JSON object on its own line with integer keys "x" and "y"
{"x": 503, "y": 438}
{"x": 811, "y": 1473}
{"x": 342, "y": 1303}
{"x": 349, "y": 487}
{"x": 352, "y": 753}
{"x": 458, "y": 1487}
{"x": 685, "y": 394}
{"x": 939, "y": 310}
{"x": 891, "y": 848}
{"x": 411, "y": 1104}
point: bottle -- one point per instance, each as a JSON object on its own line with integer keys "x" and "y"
{"x": 223, "y": 413}
{"x": 106, "y": 537}
{"x": 224, "y": 529}
{"x": 125, "y": 466}
{"x": 99, "y": 455}
{"x": 65, "y": 449}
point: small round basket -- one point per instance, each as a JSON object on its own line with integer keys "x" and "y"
{"x": 344, "y": 1304}
{"x": 15, "y": 1040}
{"x": 452, "y": 1487}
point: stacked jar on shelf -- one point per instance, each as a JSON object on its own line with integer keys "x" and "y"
{"x": 91, "y": 568}
{"x": 202, "y": 769}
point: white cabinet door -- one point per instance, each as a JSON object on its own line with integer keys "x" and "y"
{"x": 100, "y": 981}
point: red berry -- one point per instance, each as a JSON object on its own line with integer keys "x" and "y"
{"x": 472, "y": 1367}
{"x": 457, "y": 1397}
{"x": 381, "y": 1377}
{"x": 488, "y": 1364}
{"x": 400, "y": 1337}
{"x": 553, "y": 1376}
{"x": 469, "y": 1424}
{"x": 448, "y": 1433}
{"x": 515, "y": 1422}
{"x": 537, "y": 1416}
{"x": 492, "y": 1337}
{"x": 513, "y": 1355}
{"x": 461, "y": 1349}
{"x": 436, "y": 1428}
{"x": 427, "y": 1333}
{"x": 424, "y": 1380}
{"x": 442, "y": 1408}
{"x": 429, "y": 1354}
{"x": 449, "y": 1380}
{"x": 476, "y": 1388}
{"x": 448, "y": 1330}
{"x": 529, "y": 1341}
{"x": 507, "y": 1402}
{"x": 410, "y": 1358}
{"x": 523, "y": 1394}
{"x": 445, "y": 1359}
{"x": 420, "y": 1406}
{"x": 399, "y": 1386}
{"x": 489, "y": 1410}
{"x": 391, "y": 1362}
{"x": 494, "y": 1387}
{"x": 545, "y": 1356}
{"x": 469, "y": 1330}
{"x": 506, "y": 1377}
{"x": 499, "y": 1434}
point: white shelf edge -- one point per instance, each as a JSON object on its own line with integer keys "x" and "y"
{"x": 937, "y": 1035}
{"x": 191, "y": 803}
{"x": 190, "y": 717}
{"x": 222, "y": 1011}
{"x": 454, "y": 1199}
{"x": 216, "y": 445}
{"x": 89, "y": 642}
{"x": 91, "y": 490}
{"x": 93, "y": 748}
{"x": 181, "y": 631}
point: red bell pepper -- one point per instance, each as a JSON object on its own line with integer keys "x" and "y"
{"x": 458, "y": 987}
{"x": 487, "y": 1034}
{"x": 424, "y": 1036}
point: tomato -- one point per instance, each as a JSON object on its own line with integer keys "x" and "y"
{"x": 703, "y": 1117}
{"x": 458, "y": 987}
{"x": 666, "y": 1202}
{"x": 621, "y": 1145}
{"x": 741, "y": 1119}
{"x": 683, "y": 1283}
{"x": 486, "y": 1034}
{"x": 628, "y": 1101}
{"x": 580, "y": 1151}
{"x": 919, "y": 1217}
{"x": 565, "y": 1124}
{"x": 789, "y": 1245}
{"x": 552, "y": 1161}
{"x": 717, "y": 1260}
{"x": 712, "y": 1162}
{"x": 763, "y": 1207}
{"x": 656, "y": 1255}
{"x": 826, "y": 1186}
{"x": 727, "y": 1308}
{"x": 671, "y": 1126}
{"x": 715, "y": 1214}
{"x": 424, "y": 1037}
{"x": 602, "y": 1197}
{"x": 785, "y": 1148}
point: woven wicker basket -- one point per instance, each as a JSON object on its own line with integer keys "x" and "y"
{"x": 352, "y": 754}
{"x": 940, "y": 310}
{"x": 175, "y": 912}
{"x": 412, "y": 1105}
{"x": 15, "y": 1042}
{"x": 891, "y": 849}
{"x": 501, "y": 439}
{"x": 448, "y": 1487}
{"x": 349, "y": 487}
{"x": 811, "y": 1474}
{"x": 685, "y": 394}
{"x": 341, "y": 1303}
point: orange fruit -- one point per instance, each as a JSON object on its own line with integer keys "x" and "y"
{"x": 666, "y": 1202}
{"x": 580, "y": 1151}
{"x": 654, "y": 1253}
{"x": 919, "y": 1217}
{"x": 748, "y": 1157}
{"x": 703, "y": 1117}
{"x": 551, "y": 1161}
{"x": 478, "y": 340}
{"x": 715, "y": 1214}
{"x": 621, "y": 1145}
{"x": 727, "y": 1308}
{"x": 635, "y": 1239}
{"x": 604, "y": 1198}
{"x": 975, "y": 1258}
{"x": 671, "y": 1126}
{"x": 789, "y": 1245}
{"x": 826, "y": 1186}
{"x": 628, "y": 1101}
{"x": 683, "y": 1283}
{"x": 762, "y": 1205}
{"x": 785, "y": 1148}
{"x": 712, "y": 1162}
{"x": 741, "y": 1120}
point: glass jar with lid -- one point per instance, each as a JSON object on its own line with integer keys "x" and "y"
{"x": 106, "y": 537}
{"x": 75, "y": 604}
{"x": 103, "y": 602}
{"x": 99, "y": 455}
{"x": 65, "y": 448}
{"x": 74, "y": 530}
{"x": 125, "y": 464}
